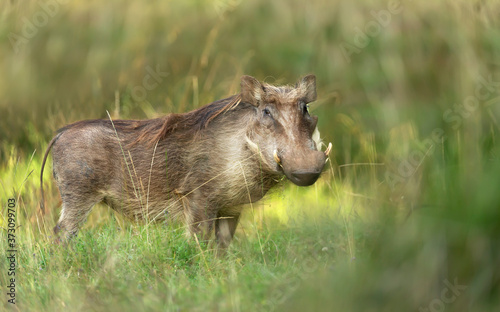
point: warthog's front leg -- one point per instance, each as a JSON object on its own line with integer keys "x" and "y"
{"x": 202, "y": 229}
{"x": 225, "y": 226}
{"x": 198, "y": 216}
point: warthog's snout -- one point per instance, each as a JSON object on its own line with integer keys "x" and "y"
{"x": 305, "y": 175}
{"x": 303, "y": 170}
{"x": 304, "y": 178}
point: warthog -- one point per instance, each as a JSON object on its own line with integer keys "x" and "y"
{"x": 199, "y": 167}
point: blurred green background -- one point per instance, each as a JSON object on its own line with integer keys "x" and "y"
{"x": 408, "y": 93}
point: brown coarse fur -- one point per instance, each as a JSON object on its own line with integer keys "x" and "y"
{"x": 198, "y": 167}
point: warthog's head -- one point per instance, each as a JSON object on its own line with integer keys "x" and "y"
{"x": 284, "y": 133}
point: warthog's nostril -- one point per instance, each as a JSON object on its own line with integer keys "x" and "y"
{"x": 305, "y": 178}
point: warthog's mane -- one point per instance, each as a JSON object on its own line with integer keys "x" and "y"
{"x": 193, "y": 121}
{"x": 150, "y": 131}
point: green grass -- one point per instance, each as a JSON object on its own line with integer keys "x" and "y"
{"x": 409, "y": 201}
{"x": 114, "y": 264}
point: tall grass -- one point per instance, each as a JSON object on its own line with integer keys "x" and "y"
{"x": 407, "y": 206}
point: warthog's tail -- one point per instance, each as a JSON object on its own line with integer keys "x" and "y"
{"x": 42, "y": 202}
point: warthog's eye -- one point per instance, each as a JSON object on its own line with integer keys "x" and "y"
{"x": 267, "y": 112}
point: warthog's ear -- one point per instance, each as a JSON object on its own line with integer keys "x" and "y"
{"x": 251, "y": 90}
{"x": 307, "y": 87}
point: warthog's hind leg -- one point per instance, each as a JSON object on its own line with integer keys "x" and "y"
{"x": 73, "y": 215}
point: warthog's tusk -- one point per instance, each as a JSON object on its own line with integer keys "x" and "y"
{"x": 328, "y": 149}
{"x": 276, "y": 158}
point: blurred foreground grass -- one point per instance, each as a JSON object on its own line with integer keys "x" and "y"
{"x": 406, "y": 218}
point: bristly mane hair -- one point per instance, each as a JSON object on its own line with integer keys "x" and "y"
{"x": 150, "y": 131}
{"x": 195, "y": 120}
